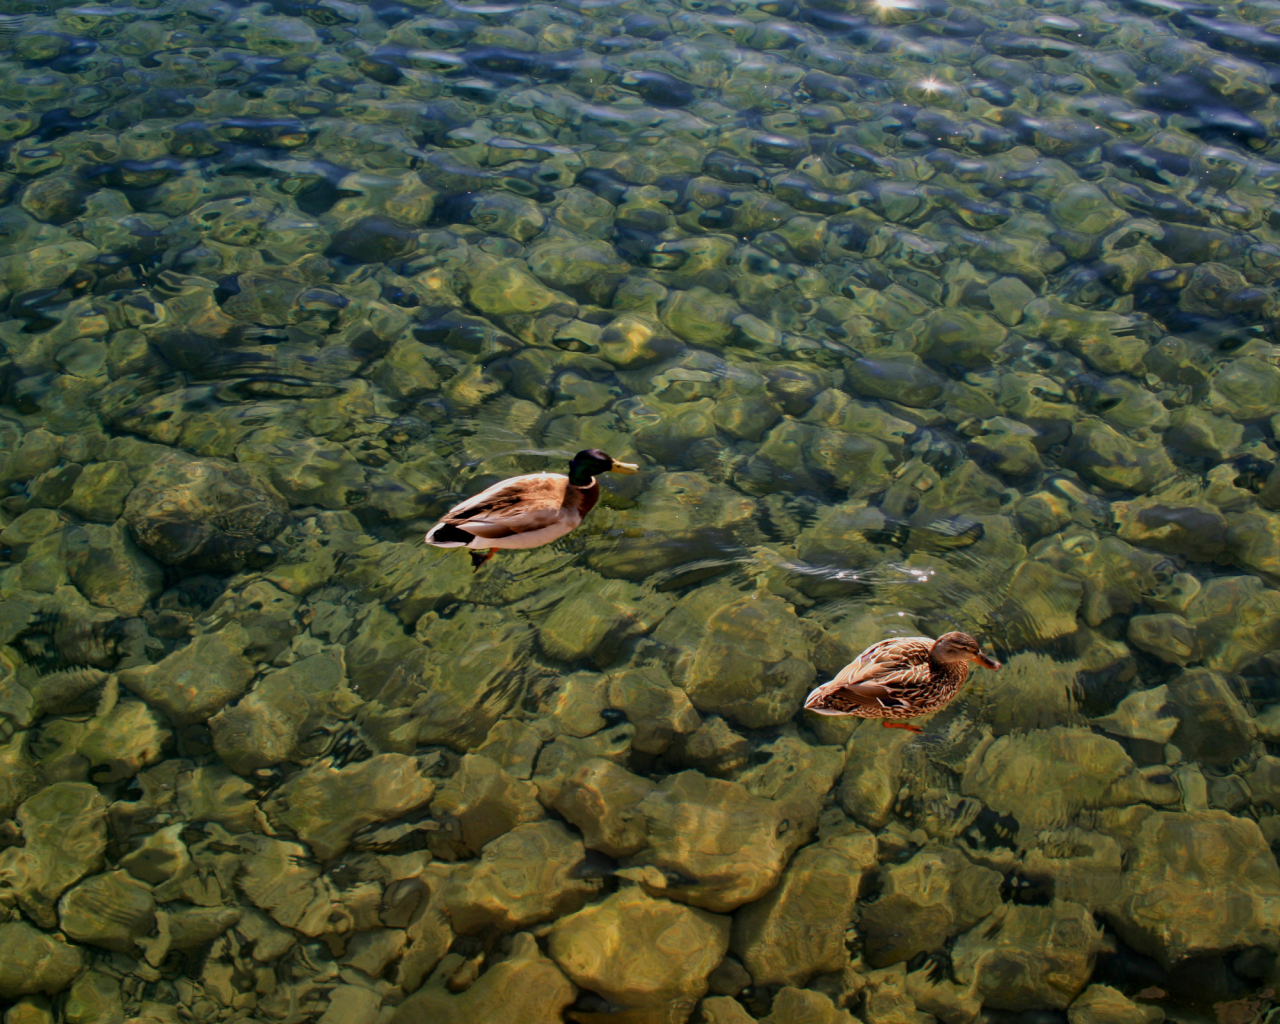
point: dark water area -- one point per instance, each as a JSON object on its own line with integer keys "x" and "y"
{"x": 916, "y": 315}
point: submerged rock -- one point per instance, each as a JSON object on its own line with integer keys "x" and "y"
{"x": 1196, "y": 884}
{"x": 596, "y": 618}
{"x": 276, "y": 719}
{"x": 798, "y": 929}
{"x": 1044, "y": 778}
{"x": 679, "y": 518}
{"x": 925, "y": 901}
{"x": 714, "y": 845}
{"x": 114, "y": 911}
{"x": 525, "y": 986}
{"x": 1029, "y": 958}
{"x": 743, "y": 657}
{"x": 201, "y": 513}
{"x": 526, "y": 876}
{"x": 1102, "y": 1004}
{"x": 1214, "y": 726}
{"x": 325, "y": 806}
{"x": 34, "y": 961}
{"x": 65, "y": 837}
{"x": 1143, "y": 715}
{"x": 872, "y": 774}
{"x": 648, "y": 956}
{"x": 660, "y": 711}
{"x": 197, "y": 680}
{"x": 1112, "y": 459}
{"x": 485, "y": 801}
{"x": 602, "y": 800}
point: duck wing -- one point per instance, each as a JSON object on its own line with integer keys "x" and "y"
{"x": 900, "y": 663}
{"x": 885, "y": 675}
{"x": 520, "y": 504}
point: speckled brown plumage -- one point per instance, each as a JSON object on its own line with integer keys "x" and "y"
{"x": 900, "y": 678}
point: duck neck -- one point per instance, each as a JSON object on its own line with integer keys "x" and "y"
{"x": 579, "y": 477}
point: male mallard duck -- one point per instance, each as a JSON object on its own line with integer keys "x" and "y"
{"x": 526, "y": 511}
{"x": 900, "y": 678}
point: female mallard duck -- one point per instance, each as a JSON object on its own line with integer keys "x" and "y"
{"x": 526, "y": 511}
{"x": 900, "y": 678}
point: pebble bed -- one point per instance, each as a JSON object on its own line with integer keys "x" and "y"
{"x": 916, "y": 316}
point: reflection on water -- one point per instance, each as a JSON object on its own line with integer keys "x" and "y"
{"x": 917, "y": 315}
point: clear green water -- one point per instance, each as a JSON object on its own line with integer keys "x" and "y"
{"x": 917, "y": 316}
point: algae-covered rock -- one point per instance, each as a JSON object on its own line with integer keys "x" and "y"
{"x": 596, "y": 618}
{"x": 34, "y": 961}
{"x": 158, "y": 857}
{"x": 325, "y": 806}
{"x": 306, "y": 471}
{"x": 724, "y": 1010}
{"x": 1236, "y": 619}
{"x": 1253, "y": 541}
{"x": 700, "y": 317}
{"x": 1031, "y": 691}
{"x": 1196, "y": 884}
{"x": 743, "y": 657}
{"x": 957, "y": 337}
{"x": 461, "y": 688}
{"x": 19, "y": 777}
{"x": 802, "y": 1004}
{"x": 1077, "y": 864}
{"x": 1029, "y": 958}
{"x": 100, "y": 492}
{"x": 1006, "y": 446}
{"x": 719, "y": 846}
{"x": 1169, "y": 637}
{"x": 1105, "y": 340}
{"x": 798, "y": 929}
{"x": 95, "y": 996}
{"x": 1246, "y": 389}
{"x": 1143, "y": 715}
{"x": 1200, "y": 434}
{"x": 899, "y": 377}
{"x": 504, "y": 288}
{"x": 280, "y": 879}
{"x": 1196, "y": 531}
{"x": 635, "y": 339}
{"x": 713, "y": 748}
{"x": 648, "y": 956}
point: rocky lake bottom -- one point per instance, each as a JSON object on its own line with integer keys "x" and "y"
{"x": 917, "y": 315}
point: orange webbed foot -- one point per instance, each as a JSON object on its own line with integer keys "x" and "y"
{"x": 900, "y": 725}
{"x": 478, "y": 558}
